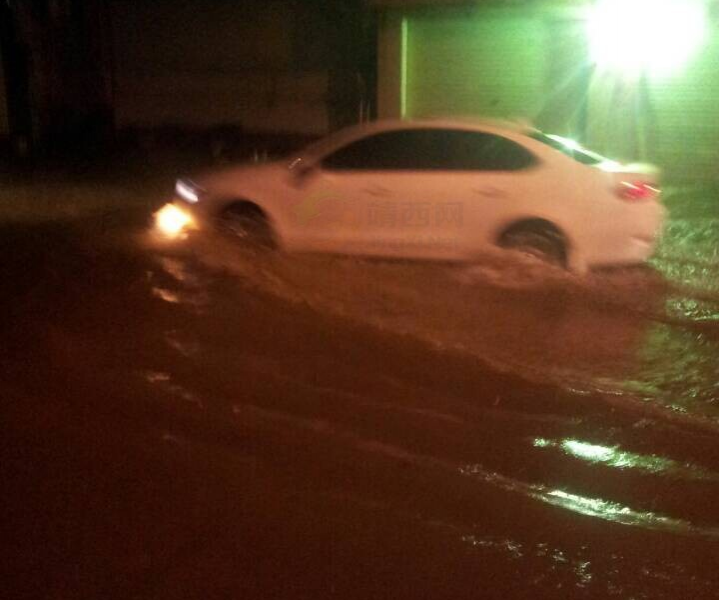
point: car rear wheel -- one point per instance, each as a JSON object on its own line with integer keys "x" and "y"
{"x": 248, "y": 224}
{"x": 542, "y": 242}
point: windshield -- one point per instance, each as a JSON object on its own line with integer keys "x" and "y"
{"x": 570, "y": 148}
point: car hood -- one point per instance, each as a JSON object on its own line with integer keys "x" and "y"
{"x": 249, "y": 172}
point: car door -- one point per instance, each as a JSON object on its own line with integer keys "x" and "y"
{"x": 496, "y": 180}
{"x": 416, "y": 192}
{"x": 380, "y": 194}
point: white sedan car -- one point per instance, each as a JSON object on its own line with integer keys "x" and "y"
{"x": 444, "y": 190}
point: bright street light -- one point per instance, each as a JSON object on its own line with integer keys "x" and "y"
{"x": 656, "y": 36}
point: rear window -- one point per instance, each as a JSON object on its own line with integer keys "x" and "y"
{"x": 570, "y": 148}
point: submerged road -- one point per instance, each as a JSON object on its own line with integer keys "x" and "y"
{"x": 195, "y": 420}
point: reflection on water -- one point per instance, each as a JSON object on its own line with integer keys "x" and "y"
{"x": 544, "y": 324}
{"x": 176, "y": 282}
{"x": 166, "y": 295}
{"x": 580, "y": 574}
{"x": 164, "y": 381}
{"x": 599, "y": 508}
{"x": 689, "y": 253}
{"x": 692, "y": 310}
{"x": 612, "y": 511}
{"x": 634, "y": 335}
{"x": 641, "y": 339}
{"x": 613, "y": 456}
{"x": 551, "y": 559}
{"x": 679, "y": 368}
{"x": 180, "y": 271}
{"x": 307, "y": 406}
{"x": 185, "y": 347}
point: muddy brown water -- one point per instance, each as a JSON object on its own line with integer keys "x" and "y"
{"x": 196, "y": 420}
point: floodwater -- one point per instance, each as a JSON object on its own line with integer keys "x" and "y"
{"x": 198, "y": 420}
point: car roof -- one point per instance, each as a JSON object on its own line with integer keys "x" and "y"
{"x": 442, "y": 122}
{"x": 353, "y": 132}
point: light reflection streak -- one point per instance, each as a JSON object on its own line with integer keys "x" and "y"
{"x": 612, "y": 456}
{"x": 591, "y": 507}
{"x": 179, "y": 271}
{"x": 185, "y": 348}
{"x": 164, "y": 380}
{"x": 166, "y": 295}
{"x": 557, "y": 559}
{"x": 604, "y": 509}
{"x": 197, "y": 300}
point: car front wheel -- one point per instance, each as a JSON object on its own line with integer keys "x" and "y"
{"x": 248, "y": 224}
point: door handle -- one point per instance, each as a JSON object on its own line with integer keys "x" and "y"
{"x": 378, "y": 191}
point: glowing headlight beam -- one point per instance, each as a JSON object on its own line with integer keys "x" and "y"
{"x": 172, "y": 221}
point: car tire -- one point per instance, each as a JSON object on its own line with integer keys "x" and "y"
{"x": 543, "y": 243}
{"x": 247, "y": 224}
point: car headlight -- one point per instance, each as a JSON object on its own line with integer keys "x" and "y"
{"x": 188, "y": 190}
{"x": 172, "y": 221}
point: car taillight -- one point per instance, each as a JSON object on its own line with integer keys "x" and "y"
{"x": 637, "y": 191}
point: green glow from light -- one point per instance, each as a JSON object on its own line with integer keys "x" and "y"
{"x": 636, "y": 36}
{"x": 404, "y": 75}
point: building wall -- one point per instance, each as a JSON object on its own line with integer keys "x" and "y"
{"x": 493, "y": 62}
{"x": 200, "y": 64}
{"x": 474, "y": 63}
{"x": 455, "y": 60}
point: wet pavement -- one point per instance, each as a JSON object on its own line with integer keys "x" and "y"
{"x": 198, "y": 420}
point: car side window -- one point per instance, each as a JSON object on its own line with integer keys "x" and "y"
{"x": 481, "y": 151}
{"x": 404, "y": 150}
{"x": 430, "y": 150}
